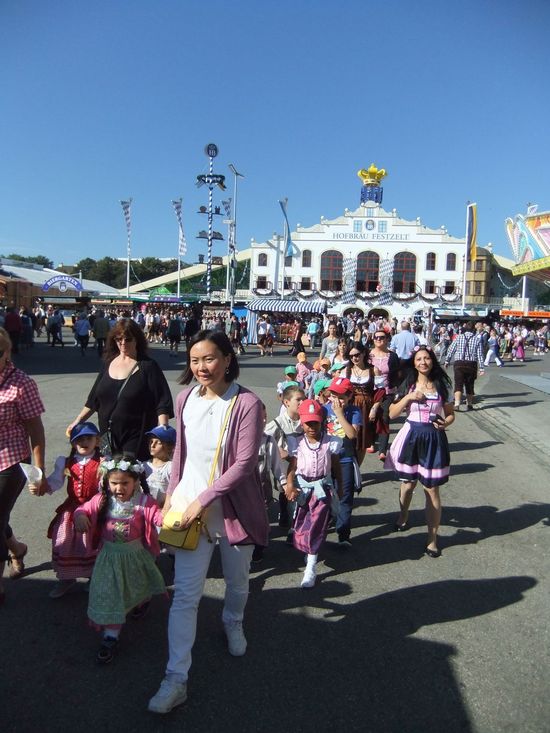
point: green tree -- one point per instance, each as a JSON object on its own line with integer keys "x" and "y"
{"x": 87, "y": 267}
{"x": 111, "y": 272}
{"x": 151, "y": 267}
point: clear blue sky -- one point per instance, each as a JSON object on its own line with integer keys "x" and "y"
{"x": 109, "y": 99}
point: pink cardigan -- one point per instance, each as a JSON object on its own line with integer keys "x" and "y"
{"x": 153, "y": 519}
{"x": 239, "y": 485}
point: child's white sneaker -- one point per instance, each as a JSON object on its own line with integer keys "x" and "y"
{"x": 310, "y": 576}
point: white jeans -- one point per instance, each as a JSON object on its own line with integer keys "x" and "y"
{"x": 495, "y": 353}
{"x": 190, "y": 576}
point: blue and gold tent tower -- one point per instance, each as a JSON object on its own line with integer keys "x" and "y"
{"x": 371, "y": 190}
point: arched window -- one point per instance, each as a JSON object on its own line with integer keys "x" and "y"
{"x": 368, "y": 264}
{"x": 306, "y": 258}
{"x": 262, "y": 260}
{"x": 404, "y": 272}
{"x": 331, "y": 270}
{"x": 430, "y": 261}
{"x": 451, "y": 261}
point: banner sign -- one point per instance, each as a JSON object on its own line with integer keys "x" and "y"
{"x": 542, "y": 263}
{"x": 521, "y": 314}
{"x": 63, "y": 283}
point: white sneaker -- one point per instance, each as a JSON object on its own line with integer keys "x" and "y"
{"x": 236, "y": 640}
{"x": 308, "y": 581}
{"x": 170, "y": 694}
{"x": 61, "y": 587}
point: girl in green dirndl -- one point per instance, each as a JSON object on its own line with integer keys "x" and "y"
{"x": 122, "y": 520}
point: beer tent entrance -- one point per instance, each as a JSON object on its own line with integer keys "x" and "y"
{"x": 272, "y": 305}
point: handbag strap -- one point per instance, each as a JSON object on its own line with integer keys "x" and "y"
{"x": 220, "y": 439}
{"x": 136, "y": 365}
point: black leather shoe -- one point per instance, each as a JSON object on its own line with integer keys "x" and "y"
{"x": 401, "y": 527}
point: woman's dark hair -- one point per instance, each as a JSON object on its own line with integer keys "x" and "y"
{"x": 130, "y": 329}
{"x": 437, "y": 375}
{"x": 364, "y": 351}
{"x": 104, "y": 503}
{"x": 222, "y": 342}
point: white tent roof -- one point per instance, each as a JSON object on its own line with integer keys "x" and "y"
{"x": 40, "y": 276}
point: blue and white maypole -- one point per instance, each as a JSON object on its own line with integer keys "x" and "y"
{"x": 210, "y": 179}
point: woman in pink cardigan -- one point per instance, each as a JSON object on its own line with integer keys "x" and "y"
{"x": 215, "y": 410}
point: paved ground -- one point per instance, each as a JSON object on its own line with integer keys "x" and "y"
{"x": 389, "y": 640}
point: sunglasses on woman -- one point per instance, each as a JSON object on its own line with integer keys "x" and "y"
{"x": 379, "y": 338}
{"x": 124, "y": 339}
{"x": 356, "y": 355}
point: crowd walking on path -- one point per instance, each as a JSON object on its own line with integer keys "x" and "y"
{"x": 208, "y": 482}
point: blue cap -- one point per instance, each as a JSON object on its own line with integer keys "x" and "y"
{"x": 81, "y": 429}
{"x": 164, "y": 433}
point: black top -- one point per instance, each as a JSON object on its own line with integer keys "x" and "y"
{"x": 145, "y": 397}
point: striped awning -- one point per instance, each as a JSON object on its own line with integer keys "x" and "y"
{"x": 273, "y": 305}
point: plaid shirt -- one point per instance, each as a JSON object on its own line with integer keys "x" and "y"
{"x": 466, "y": 347}
{"x": 19, "y": 401}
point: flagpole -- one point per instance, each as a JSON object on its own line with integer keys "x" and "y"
{"x": 465, "y": 261}
{"x": 284, "y": 202}
{"x": 182, "y": 245}
{"x": 126, "y": 211}
{"x": 232, "y": 281}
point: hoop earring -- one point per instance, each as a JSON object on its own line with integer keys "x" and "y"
{"x": 227, "y": 371}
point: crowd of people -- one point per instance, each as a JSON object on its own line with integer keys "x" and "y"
{"x": 214, "y": 475}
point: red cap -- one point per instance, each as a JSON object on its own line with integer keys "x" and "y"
{"x": 310, "y": 411}
{"x": 340, "y": 385}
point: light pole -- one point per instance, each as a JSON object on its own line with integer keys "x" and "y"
{"x": 232, "y": 244}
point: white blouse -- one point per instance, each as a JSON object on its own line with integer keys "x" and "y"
{"x": 203, "y": 420}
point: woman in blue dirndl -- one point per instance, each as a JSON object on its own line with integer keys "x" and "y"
{"x": 420, "y": 451}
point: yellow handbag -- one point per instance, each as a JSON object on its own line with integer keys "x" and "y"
{"x": 172, "y": 532}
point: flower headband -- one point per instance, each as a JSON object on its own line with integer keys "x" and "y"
{"x": 122, "y": 465}
{"x": 422, "y": 347}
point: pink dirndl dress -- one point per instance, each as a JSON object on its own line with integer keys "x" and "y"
{"x": 72, "y": 553}
{"x": 313, "y": 464}
{"x": 420, "y": 452}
